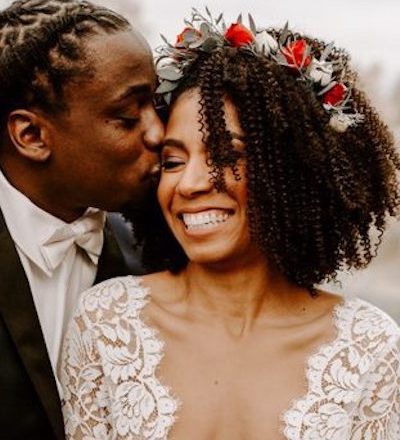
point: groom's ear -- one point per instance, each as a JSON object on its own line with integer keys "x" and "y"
{"x": 28, "y": 134}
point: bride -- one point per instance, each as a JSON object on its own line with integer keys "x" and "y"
{"x": 274, "y": 170}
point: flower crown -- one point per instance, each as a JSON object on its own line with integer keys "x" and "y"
{"x": 323, "y": 70}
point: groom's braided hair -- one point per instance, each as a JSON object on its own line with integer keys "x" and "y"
{"x": 41, "y": 49}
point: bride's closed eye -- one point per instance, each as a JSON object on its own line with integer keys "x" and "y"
{"x": 171, "y": 163}
{"x": 173, "y": 156}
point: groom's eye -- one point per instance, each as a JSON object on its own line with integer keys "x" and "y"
{"x": 128, "y": 121}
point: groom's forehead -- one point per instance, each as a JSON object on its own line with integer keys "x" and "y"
{"x": 121, "y": 65}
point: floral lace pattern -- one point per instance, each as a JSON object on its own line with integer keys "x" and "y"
{"x": 109, "y": 368}
{"x": 110, "y": 361}
{"x": 353, "y": 383}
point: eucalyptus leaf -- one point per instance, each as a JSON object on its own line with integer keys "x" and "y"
{"x": 208, "y": 12}
{"x": 283, "y": 37}
{"x": 166, "y": 41}
{"x": 196, "y": 44}
{"x": 284, "y": 34}
{"x": 168, "y": 98}
{"x": 205, "y": 29}
{"x": 253, "y": 26}
{"x": 281, "y": 59}
{"x": 169, "y": 73}
{"x": 219, "y": 18}
{"x": 166, "y": 86}
{"x": 209, "y": 44}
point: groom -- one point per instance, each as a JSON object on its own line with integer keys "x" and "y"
{"x": 78, "y": 134}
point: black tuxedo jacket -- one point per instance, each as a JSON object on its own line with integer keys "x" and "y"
{"x": 29, "y": 403}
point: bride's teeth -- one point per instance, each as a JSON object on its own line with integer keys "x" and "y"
{"x": 196, "y": 221}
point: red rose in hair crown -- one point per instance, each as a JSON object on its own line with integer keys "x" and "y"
{"x": 238, "y": 35}
{"x": 335, "y": 95}
{"x": 295, "y": 54}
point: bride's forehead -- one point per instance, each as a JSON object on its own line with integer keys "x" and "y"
{"x": 191, "y": 104}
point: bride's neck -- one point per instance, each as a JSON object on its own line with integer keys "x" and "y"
{"x": 242, "y": 293}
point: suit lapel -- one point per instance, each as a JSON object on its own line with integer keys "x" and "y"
{"x": 111, "y": 261}
{"x": 19, "y": 313}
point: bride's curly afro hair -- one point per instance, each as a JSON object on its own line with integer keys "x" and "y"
{"x": 314, "y": 194}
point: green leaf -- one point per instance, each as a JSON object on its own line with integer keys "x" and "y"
{"x": 168, "y": 98}
{"x": 219, "y": 18}
{"x": 284, "y": 34}
{"x": 196, "y": 44}
{"x": 169, "y": 73}
{"x": 239, "y": 19}
{"x": 166, "y": 41}
{"x": 208, "y": 12}
{"x": 166, "y": 86}
{"x": 281, "y": 59}
{"x": 209, "y": 44}
{"x": 253, "y": 26}
{"x": 205, "y": 29}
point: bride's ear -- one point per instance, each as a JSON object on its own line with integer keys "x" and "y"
{"x": 28, "y": 134}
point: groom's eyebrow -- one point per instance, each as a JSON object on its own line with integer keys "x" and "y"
{"x": 136, "y": 90}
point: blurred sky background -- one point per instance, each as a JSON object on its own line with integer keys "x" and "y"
{"x": 368, "y": 29}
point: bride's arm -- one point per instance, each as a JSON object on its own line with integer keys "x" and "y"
{"x": 86, "y": 399}
{"x": 377, "y": 416}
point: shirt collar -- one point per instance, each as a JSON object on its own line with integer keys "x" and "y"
{"x": 29, "y": 225}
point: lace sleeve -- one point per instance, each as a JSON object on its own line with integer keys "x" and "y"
{"x": 86, "y": 400}
{"x": 108, "y": 369}
{"x": 377, "y": 415}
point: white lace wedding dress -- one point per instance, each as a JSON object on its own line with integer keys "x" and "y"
{"x": 112, "y": 391}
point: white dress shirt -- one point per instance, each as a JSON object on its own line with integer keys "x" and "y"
{"x": 55, "y": 262}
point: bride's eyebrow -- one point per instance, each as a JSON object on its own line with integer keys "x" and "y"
{"x": 171, "y": 142}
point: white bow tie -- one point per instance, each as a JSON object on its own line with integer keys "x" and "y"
{"x": 86, "y": 232}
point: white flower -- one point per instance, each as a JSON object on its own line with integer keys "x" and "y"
{"x": 340, "y": 122}
{"x": 265, "y": 43}
{"x": 321, "y": 71}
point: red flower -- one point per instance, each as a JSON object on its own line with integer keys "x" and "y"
{"x": 188, "y": 34}
{"x": 335, "y": 95}
{"x": 238, "y": 35}
{"x": 294, "y": 54}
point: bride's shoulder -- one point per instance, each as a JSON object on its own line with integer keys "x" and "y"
{"x": 367, "y": 325}
{"x": 112, "y": 297}
{"x": 128, "y": 293}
